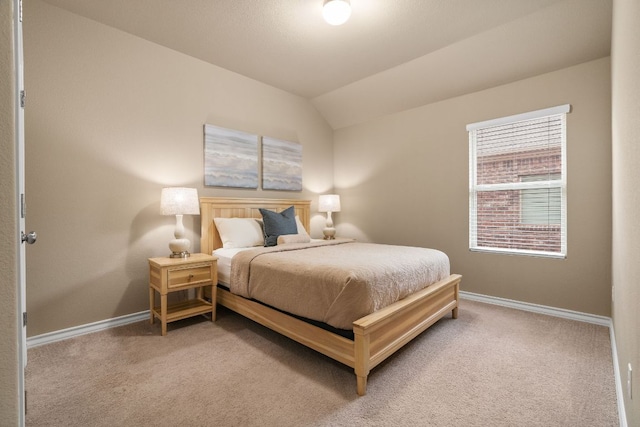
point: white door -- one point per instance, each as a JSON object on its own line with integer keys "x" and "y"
{"x": 24, "y": 237}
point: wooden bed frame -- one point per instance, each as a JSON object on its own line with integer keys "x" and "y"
{"x": 376, "y": 336}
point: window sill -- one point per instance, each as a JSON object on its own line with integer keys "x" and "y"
{"x": 521, "y": 252}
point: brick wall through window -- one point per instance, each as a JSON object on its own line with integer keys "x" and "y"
{"x": 499, "y": 218}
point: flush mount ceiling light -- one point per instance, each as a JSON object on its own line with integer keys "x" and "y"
{"x": 336, "y": 12}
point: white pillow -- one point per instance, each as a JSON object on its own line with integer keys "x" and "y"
{"x": 301, "y": 229}
{"x": 239, "y": 232}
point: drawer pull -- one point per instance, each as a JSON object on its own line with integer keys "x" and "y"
{"x": 190, "y": 277}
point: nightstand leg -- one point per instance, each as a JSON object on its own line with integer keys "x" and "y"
{"x": 152, "y": 303}
{"x": 163, "y": 313}
{"x": 214, "y": 301}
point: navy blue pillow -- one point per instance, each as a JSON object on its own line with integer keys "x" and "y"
{"x": 278, "y": 223}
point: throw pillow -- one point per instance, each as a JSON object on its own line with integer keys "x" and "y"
{"x": 293, "y": 238}
{"x": 277, "y": 224}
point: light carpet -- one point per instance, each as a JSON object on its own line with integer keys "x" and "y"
{"x": 493, "y": 366}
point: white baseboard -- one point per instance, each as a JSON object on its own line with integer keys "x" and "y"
{"x": 616, "y": 371}
{"x": 536, "y": 308}
{"x": 86, "y": 329}
{"x": 565, "y": 314}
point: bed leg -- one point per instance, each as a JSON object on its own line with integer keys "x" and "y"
{"x": 362, "y": 385}
{"x": 362, "y": 359}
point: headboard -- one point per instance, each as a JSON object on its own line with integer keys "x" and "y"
{"x": 224, "y": 207}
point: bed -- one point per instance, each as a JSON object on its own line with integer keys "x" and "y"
{"x": 375, "y": 336}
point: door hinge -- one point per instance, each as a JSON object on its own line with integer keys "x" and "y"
{"x": 24, "y": 319}
{"x": 23, "y": 96}
{"x": 20, "y": 11}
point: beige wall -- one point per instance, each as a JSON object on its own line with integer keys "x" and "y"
{"x": 111, "y": 119}
{"x": 9, "y": 380}
{"x": 404, "y": 180}
{"x": 625, "y": 64}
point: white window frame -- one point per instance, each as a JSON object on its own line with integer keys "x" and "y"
{"x": 561, "y": 183}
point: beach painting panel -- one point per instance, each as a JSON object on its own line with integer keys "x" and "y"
{"x": 281, "y": 165}
{"x": 230, "y": 158}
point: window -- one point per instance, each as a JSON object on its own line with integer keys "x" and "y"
{"x": 517, "y": 184}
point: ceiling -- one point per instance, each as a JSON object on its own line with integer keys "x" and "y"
{"x": 391, "y": 55}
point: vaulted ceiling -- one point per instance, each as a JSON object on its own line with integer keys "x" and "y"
{"x": 390, "y": 56}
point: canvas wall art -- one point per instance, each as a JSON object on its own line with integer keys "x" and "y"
{"x": 230, "y": 158}
{"x": 281, "y": 165}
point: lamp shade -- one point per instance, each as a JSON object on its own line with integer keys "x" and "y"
{"x": 329, "y": 203}
{"x": 336, "y": 12}
{"x": 179, "y": 201}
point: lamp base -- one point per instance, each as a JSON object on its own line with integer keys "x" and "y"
{"x": 180, "y": 248}
{"x": 329, "y": 233}
{"x": 184, "y": 254}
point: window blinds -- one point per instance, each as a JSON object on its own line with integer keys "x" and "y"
{"x": 517, "y": 191}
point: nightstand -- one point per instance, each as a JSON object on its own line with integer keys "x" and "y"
{"x": 168, "y": 275}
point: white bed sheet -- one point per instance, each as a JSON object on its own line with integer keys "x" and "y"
{"x": 224, "y": 263}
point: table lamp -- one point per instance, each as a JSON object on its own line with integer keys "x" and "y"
{"x": 329, "y": 203}
{"x": 179, "y": 201}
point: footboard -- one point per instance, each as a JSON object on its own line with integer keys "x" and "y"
{"x": 380, "y": 334}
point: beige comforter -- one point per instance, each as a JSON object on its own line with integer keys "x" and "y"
{"x": 335, "y": 282}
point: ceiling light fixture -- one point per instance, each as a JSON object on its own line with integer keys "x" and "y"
{"x": 336, "y": 12}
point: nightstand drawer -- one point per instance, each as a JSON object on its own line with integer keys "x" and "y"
{"x": 188, "y": 276}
